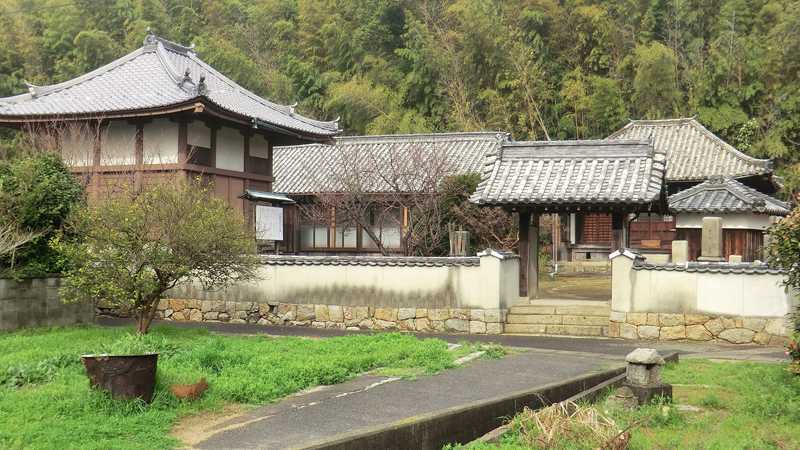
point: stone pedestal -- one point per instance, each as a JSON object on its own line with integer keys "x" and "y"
{"x": 711, "y": 240}
{"x": 643, "y": 375}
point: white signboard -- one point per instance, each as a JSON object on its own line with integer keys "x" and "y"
{"x": 269, "y": 223}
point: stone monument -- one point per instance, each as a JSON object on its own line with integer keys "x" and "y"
{"x": 643, "y": 375}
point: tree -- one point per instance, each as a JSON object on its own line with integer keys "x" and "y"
{"x": 656, "y": 94}
{"x": 783, "y": 251}
{"x": 137, "y": 247}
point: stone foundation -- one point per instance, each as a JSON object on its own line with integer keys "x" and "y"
{"x": 699, "y": 327}
{"x": 450, "y": 320}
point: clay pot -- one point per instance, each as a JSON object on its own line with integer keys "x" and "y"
{"x": 189, "y": 391}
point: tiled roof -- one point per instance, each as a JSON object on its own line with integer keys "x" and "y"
{"x": 725, "y": 195}
{"x": 379, "y": 261}
{"x": 314, "y": 168}
{"x": 553, "y": 173}
{"x": 709, "y": 267}
{"x": 159, "y": 74}
{"x": 693, "y": 152}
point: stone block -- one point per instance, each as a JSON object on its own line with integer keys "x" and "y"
{"x": 406, "y": 313}
{"x": 714, "y": 326}
{"x": 195, "y": 315}
{"x": 728, "y": 322}
{"x": 628, "y": 331}
{"x": 224, "y": 317}
{"x": 406, "y": 324}
{"x": 695, "y": 319}
{"x": 459, "y": 325}
{"x": 494, "y": 328}
{"x": 711, "y": 239}
{"x": 177, "y": 304}
{"x": 637, "y": 318}
{"x": 644, "y": 356}
{"x": 680, "y": 252}
{"x": 459, "y": 313}
{"x": 194, "y": 304}
{"x": 493, "y": 315}
{"x": 438, "y": 325}
{"x": 648, "y": 332}
{"x": 439, "y": 314}
{"x": 263, "y": 321}
{"x": 614, "y": 329}
{"x": 336, "y": 313}
{"x": 386, "y": 314}
{"x": 652, "y": 319}
{"x": 738, "y": 335}
{"x": 535, "y": 318}
{"x": 366, "y": 323}
{"x": 477, "y": 327}
{"x": 585, "y": 320}
{"x": 617, "y": 316}
{"x": 305, "y": 312}
{"x": 211, "y": 315}
{"x": 238, "y": 321}
{"x": 385, "y": 324}
{"x": 321, "y": 313}
{"x": 670, "y": 320}
{"x": 735, "y": 259}
{"x": 576, "y": 330}
{"x": 357, "y": 313}
{"x": 264, "y": 308}
{"x": 755, "y": 324}
{"x": 761, "y": 338}
{"x": 335, "y": 325}
{"x": 673, "y": 333}
{"x": 168, "y": 312}
{"x": 162, "y": 304}
{"x": 317, "y": 324}
{"x": 421, "y": 312}
{"x": 777, "y": 327}
{"x": 422, "y": 324}
{"x": 477, "y": 314}
{"x": 698, "y": 333}
{"x": 284, "y": 308}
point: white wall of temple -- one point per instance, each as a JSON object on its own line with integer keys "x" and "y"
{"x": 730, "y": 221}
{"x": 230, "y": 149}
{"x": 118, "y": 144}
{"x": 198, "y": 134}
{"x": 160, "y": 142}
{"x": 77, "y": 145}
{"x": 259, "y": 146}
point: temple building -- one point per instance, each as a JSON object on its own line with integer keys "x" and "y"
{"x": 161, "y": 111}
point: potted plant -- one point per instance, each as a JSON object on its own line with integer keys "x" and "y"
{"x": 134, "y": 249}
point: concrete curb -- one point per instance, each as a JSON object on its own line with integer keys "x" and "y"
{"x": 463, "y": 423}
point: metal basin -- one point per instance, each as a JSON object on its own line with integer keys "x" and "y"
{"x": 124, "y": 376}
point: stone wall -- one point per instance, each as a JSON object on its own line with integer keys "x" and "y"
{"x": 36, "y": 303}
{"x": 698, "y": 327}
{"x": 451, "y": 320}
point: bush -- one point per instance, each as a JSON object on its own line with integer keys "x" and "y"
{"x": 37, "y": 194}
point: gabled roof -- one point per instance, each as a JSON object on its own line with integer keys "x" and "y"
{"x": 159, "y": 74}
{"x": 315, "y": 168}
{"x": 693, "y": 152}
{"x": 557, "y": 174}
{"x": 721, "y": 195}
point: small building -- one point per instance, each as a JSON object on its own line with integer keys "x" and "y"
{"x": 694, "y": 154}
{"x": 745, "y": 212}
{"x": 375, "y": 166}
{"x": 161, "y": 111}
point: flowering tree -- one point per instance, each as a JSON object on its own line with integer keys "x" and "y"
{"x": 137, "y": 247}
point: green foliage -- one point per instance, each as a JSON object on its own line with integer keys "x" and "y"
{"x": 37, "y": 193}
{"x": 784, "y": 252}
{"x": 138, "y": 246}
{"x": 47, "y": 402}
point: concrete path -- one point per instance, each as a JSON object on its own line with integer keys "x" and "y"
{"x": 327, "y": 414}
{"x": 594, "y": 346}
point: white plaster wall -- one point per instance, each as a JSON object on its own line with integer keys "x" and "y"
{"x": 737, "y": 221}
{"x": 198, "y": 134}
{"x": 259, "y": 147}
{"x": 487, "y": 286}
{"x": 118, "y": 144}
{"x": 160, "y": 142}
{"x": 77, "y": 147}
{"x": 230, "y": 149}
{"x": 743, "y": 295}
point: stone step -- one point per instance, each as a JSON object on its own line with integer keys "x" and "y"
{"x": 557, "y": 330}
{"x": 572, "y": 310}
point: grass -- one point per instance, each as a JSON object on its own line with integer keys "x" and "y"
{"x": 45, "y": 400}
{"x": 742, "y": 406}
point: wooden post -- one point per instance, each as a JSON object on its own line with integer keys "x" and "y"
{"x": 617, "y": 231}
{"x": 524, "y": 230}
{"x": 138, "y": 157}
{"x": 533, "y": 257}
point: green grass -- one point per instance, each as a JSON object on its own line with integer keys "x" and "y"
{"x": 46, "y": 402}
{"x": 743, "y": 406}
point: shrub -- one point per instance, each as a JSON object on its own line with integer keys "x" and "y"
{"x": 37, "y": 194}
{"x": 136, "y": 247}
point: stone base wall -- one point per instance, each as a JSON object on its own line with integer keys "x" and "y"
{"x": 36, "y": 302}
{"x": 450, "y": 320}
{"x": 699, "y": 327}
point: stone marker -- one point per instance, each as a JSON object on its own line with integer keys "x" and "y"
{"x": 643, "y": 375}
{"x": 680, "y": 252}
{"x": 735, "y": 259}
{"x": 711, "y": 240}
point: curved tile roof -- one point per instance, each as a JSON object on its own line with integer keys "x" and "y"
{"x": 553, "y": 173}
{"x": 725, "y": 195}
{"x": 158, "y": 74}
{"x": 693, "y": 152}
{"x": 312, "y": 168}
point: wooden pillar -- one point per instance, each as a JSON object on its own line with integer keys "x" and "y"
{"x": 617, "y": 231}
{"x": 524, "y": 229}
{"x": 138, "y": 153}
{"x": 96, "y": 161}
{"x": 533, "y": 257}
{"x": 183, "y": 142}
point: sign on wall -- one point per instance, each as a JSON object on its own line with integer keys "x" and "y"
{"x": 269, "y": 223}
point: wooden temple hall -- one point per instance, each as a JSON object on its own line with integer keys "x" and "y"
{"x": 158, "y": 112}
{"x": 616, "y": 177}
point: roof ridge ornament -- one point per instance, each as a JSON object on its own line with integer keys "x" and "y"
{"x": 150, "y": 38}
{"x": 202, "y": 88}
{"x": 32, "y": 88}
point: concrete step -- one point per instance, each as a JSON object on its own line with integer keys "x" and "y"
{"x": 589, "y": 309}
{"x": 557, "y": 330}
